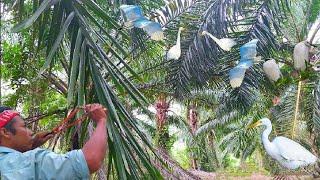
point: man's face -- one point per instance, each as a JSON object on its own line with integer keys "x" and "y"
{"x": 22, "y": 139}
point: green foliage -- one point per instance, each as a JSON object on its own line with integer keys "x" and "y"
{"x": 181, "y": 155}
{"x": 315, "y": 9}
{"x": 241, "y": 169}
{"x": 162, "y": 138}
{"x": 12, "y": 61}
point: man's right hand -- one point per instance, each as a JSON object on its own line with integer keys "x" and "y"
{"x": 96, "y": 112}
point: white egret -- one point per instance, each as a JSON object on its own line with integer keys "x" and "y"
{"x": 287, "y": 152}
{"x": 236, "y": 76}
{"x": 224, "y": 43}
{"x": 134, "y": 17}
{"x": 153, "y": 29}
{"x": 130, "y": 13}
{"x": 249, "y": 50}
{"x": 248, "y": 54}
{"x": 301, "y": 55}
{"x": 175, "y": 51}
{"x": 272, "y": 70}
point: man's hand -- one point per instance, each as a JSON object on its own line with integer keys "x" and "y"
{"x": 96, "y": 112}
{"x": 40, "y": 138}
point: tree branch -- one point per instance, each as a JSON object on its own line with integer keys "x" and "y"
{"x": 32, "y": 119}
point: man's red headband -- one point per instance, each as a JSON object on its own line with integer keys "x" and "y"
{"x": 6, "y": 116}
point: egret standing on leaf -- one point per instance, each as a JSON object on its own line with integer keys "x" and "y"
{"x": 175, "y": 51}
{"x": 287, "y": 152}
{"x": 224, "y": 43}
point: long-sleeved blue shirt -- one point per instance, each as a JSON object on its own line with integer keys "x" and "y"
{"x": 42, "y": 164}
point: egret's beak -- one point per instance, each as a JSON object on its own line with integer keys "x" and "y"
{"x": 182, "y": 28}
{"x": 256, "y": 124}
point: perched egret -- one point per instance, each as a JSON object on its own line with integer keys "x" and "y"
{"x": 175, "y": 51}
{"x": 301, "y": 55}
{"x": 134, "y": 17}
{"x": 248, "y": 54}
{"x": 287, "y": 152}
{"x": 224, "y": 43}
{"x": 272, "y": 70}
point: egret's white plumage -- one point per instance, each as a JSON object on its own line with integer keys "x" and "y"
{"x": 236, "y": 76}
{"x": 224, "y": 43}
{"x": 272, "y": 70}
{"x": 130, "y": 14}
{"x": 248, "y": 56}
{"x": 133, "y": 17}
{"x": 153, "y": 29}
{"x": 300, "y": 55}
{"x": 287, "y": 152}
{"x": 249, "y": 50}
{"x": 175, "y": 51}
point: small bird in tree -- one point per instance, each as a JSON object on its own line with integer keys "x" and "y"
{"x": 224, "y": 43}
{"x": 175, "y": 51}
{"x": 287, "y": 152}
{"x": 134, "y": 17}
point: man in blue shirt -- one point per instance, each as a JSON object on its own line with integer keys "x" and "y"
{"x": 21, "y": 159}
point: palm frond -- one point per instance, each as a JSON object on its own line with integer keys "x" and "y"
{"x": 316, "y": 115}
{"x": 283, "y": 114}
{"x": 212, "y": 124}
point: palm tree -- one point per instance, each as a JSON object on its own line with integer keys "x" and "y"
{"x": 204, "y": 66}
{"x": 98, "y": 56}
{"x": 83, "y": 40}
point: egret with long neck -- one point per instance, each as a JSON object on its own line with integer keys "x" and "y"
{"x": 224, "y": 43}
{"x": 175, "y": 51}
{"x": 287, "y": 152}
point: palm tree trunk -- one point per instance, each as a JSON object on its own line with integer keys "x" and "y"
{"x": 162, "y": 107}
{"x": 316, "y": 173}
{"x": 193, "y": 123}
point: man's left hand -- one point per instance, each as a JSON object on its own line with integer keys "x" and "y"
{"x": 40, "y": 138}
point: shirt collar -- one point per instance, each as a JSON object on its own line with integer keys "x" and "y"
{"x": 6, "y": 150}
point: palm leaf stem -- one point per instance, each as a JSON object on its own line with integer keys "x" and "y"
{"x": 296, "y": 111}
